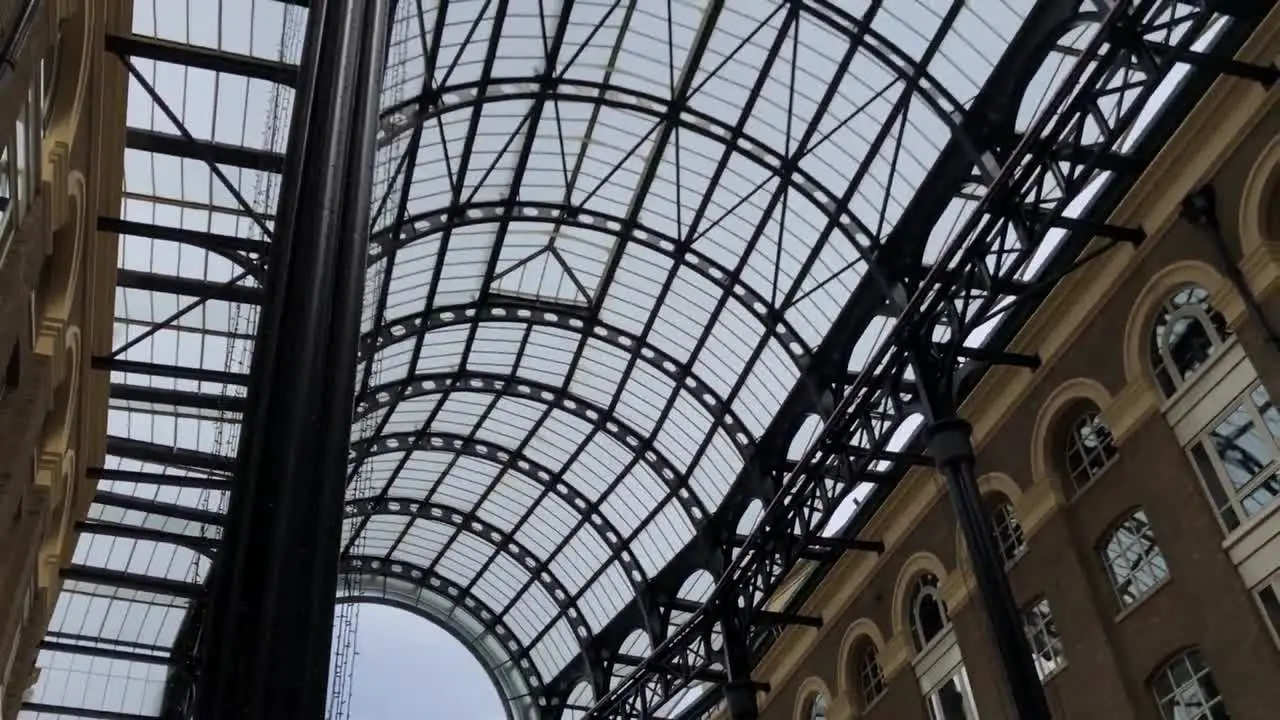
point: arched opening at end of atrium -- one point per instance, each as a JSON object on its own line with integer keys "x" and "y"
{"x": 408, "y": 663}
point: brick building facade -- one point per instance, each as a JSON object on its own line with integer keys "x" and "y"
{"x": 55, "y": 304}
{"x": 1132, "y": 479}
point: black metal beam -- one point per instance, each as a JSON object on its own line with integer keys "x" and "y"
{"x": 198, "y": 482}
{"x": 166, "y": 455}
{"x": 67, "y": 711}
{"x": 225, "y": 245}
{"x": 173, "y": 510}
{"x": 177, "y": 398}
{"x": 102, "y": 652}
{"x": 81, "y": 638}
{"x": 222, "y": 377}
{"x": 203, "y": 150}
{"x": 189, "y": 287}
{"x": 203, "y": 58}
{"x": 263, "y": 649}
{"x": 204, "y": 546}
{"x": 132, "y": 581}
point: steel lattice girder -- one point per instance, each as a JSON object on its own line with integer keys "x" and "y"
{"x": 1016, "y": 212}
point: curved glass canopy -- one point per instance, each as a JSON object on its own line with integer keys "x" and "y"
{"x": 609, "y": 237}
{"x": 621, "y": 251}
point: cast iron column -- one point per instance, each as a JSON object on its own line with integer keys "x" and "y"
{"x": 739, "y": 690}
{"x": 265, "y": 646}
{"x": 951, "y": 447}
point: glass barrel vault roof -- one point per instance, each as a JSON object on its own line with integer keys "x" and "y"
{"x": 610, "y": 241}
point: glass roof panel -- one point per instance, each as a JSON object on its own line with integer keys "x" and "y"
{"x": 618, "y": 281}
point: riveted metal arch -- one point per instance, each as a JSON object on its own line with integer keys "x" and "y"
{"x": 520, "y": 463}
{"x": 648, "y": 613}
{"x": 425, "y": 224}
{"x": 359, "y": 570}
{"x": 575, "y": 320}
{"x": 388, "y": 395}
{"x": 504, "y": 541}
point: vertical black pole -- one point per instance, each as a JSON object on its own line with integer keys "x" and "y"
{"x": 951, "y": 447}
{"x": 739, "y": 689}
{"x": 264, "y": 649}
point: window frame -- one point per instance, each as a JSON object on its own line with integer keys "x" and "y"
{"x": 1198, "y": 671}
{"x": 925, "y": 584}
{"x": 1011, "y": 539}
{"x": 960, "y": 677}
{"x": 1083, "y": 472}
{"x": 1225, "y": 498}
{"x": 869, "y": 673}
{"x": 1149, "y": 557}
{"x": 1042, "y": 634}
{"x": 1170, "y": 379}
{"x": 1269, "y": 606}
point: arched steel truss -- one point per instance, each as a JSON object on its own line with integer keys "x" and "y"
{"x": 436, "y": 437}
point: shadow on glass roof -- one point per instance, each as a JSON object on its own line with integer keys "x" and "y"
{"x": 621, "y": 254}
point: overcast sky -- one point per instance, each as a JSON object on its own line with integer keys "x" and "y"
{"x": 411, "y": 669}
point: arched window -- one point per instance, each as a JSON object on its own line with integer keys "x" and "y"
{"x": 928, "y": 613}
{"x": 870, "y": 676}
{"x": 1185, "y": 690}
{"x": 1089, "y": 448}
{"x": 1008, "y": 530}
{"x": 1187, "y": 333}
{"x": 817, "y": 708}
{"x": 1133, "y": 559}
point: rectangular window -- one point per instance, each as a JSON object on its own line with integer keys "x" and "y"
{"x": 953, "y": 699}
{"x": 1239, "y": 456}
{"x": 1042, "y": 632}
{"x": 1269, "y": 598}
